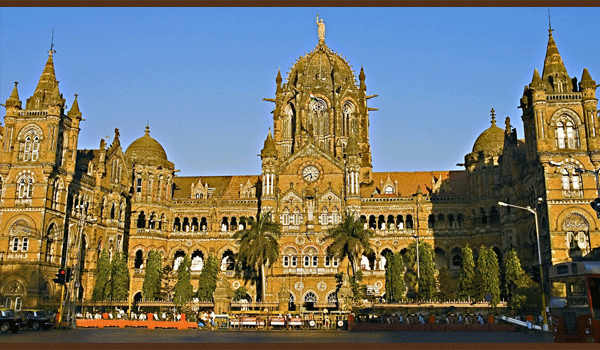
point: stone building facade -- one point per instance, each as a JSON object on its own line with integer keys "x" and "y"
{"x": 60, "y": 206}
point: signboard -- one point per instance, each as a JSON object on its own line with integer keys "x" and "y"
{"x": 248, "y": 321}
{"x": 296, "y": 321}
{"x": 277, "y": 321}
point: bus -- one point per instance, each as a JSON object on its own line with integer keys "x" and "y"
{"x": 575, "y": 301}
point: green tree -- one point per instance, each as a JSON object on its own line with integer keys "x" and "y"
{"x": 427, "y": 282}
{"x": 466, "y": 280}
{"x": 183, "y": 290}
{"x": 512, "y": 273}
{"x": 447, "y": 285}
{"x": 207, "y": 282}
{"x": 394, "y": 278}
{"x": 119, "y": 278}
{"x": 426, "y": 287}
{"x": 102, "y": 276}
{"x": 259, "y": 247}
{"x": 350, "y": 240}
{"x": 526, "y": 298}
{"x": 240, "y": 293}
{"x": 488, "y": 275}
{"x": 152, "y": 276}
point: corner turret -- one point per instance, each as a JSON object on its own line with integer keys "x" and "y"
{"x": 13, "y": 101}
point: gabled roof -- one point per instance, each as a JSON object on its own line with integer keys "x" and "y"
{"x": 225, "y": 187}
{"x": 454, "y": 183}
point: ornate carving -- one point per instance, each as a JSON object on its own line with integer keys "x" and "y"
{"x": 575, "y": 221}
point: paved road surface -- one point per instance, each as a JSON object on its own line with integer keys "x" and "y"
{"x": 143, "y": 335}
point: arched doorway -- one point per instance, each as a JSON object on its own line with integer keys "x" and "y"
{"x": 310, "y": 301}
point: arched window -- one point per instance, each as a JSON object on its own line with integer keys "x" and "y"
{"x": 35, "y": 150}
{"x": 197, "y": 261}
{"x": 431, "y": 222}
{"x": 567, "y": 135}
{"x": 141, "y": 220}
{"x": 30, "y": 145}
{"x": 349, "y": 122}
{"x": 285, "y": 216}
{"x": 409, "y": 222}
{"x": 494, "y": 216}
{"x": 139, "y": 259}
{"x": 335, "y": 216}
{"x": 324, "y": 216}
{"x": 388, "y": 190}
{"x": 290, "y": 257}
{"x": 297, "y": 216}
{"x": 25, "y": 244}
{"x": 15, "y": 244}
{"x": 571, "y": 182}
{"x": 25, "y": 186}
{"x": 560, "y": 135}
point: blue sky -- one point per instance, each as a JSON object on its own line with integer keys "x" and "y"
{"x": 198, "y": 75}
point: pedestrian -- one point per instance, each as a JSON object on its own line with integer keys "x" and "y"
{"x": 212, "y": 317}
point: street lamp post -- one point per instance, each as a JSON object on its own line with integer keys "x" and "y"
{"x": 74, "y": 283}
{"x": 537, "y": 233}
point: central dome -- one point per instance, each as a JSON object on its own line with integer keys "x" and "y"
{"x": 319, "y": 68}
{"x": 491, "y": 140}
{"x": 147, "y": 151}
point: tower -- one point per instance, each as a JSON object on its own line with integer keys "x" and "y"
{"x": 561, "y": 137}
{"x": 38, "y": 154}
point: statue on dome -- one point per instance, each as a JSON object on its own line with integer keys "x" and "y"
{"x": 321, "y": 30}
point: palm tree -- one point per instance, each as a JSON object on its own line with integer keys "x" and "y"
{"x": 350, "y": 240}
{"x": 258, "y": 246}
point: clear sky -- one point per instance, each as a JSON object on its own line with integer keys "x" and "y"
{"x": 198, "y": 75}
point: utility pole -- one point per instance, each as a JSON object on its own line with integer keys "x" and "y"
{"x": 537, "y": 233}
{"x": 74, "y": 284}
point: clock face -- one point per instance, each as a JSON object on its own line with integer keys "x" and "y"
{"x": 310, "y": 173}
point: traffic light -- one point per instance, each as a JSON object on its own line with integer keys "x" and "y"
{"x": 60, "y": 276}
{"x": 596, "y": 206}
{"x": 68, "y": 275}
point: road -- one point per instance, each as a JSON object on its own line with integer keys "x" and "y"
{"x": 143, "y": 335}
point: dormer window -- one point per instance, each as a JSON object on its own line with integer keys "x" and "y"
{"x": 389, "y": 190}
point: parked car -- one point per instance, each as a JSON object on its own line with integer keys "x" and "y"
{"x": 9, "y": 321}
{"x": 36, "y": 319}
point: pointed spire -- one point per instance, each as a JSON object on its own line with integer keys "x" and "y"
{"x": 46, "y": 91}
{"x": 74, "y": 112}
{"x": 269, "y": 149}
{"x": 553, "y": 63}
{"x": 13, "y": 100}
{"x": 419, "y": 190}
{"x": 536, "y": 81}
{"x": 493, "y": 114}
{"x": 278, "y": 82}
{"x": 361, "y": 77}
{"x": 586, "y": 80}
{"x": 507, "y": 128}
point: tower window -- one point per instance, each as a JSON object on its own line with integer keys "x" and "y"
{"x": 25, "y": 187}
{"x": 567, "y": 135}
{"x": 138, "y": 187}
